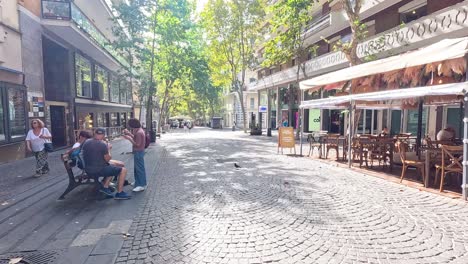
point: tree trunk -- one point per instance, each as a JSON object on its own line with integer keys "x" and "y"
{"x": 163, "y": 107}
{"x": 241, "y": 101}
{"x": 291, "y": 95}
{"x": 152, "y": 88}
{"x": 357, "y": 118}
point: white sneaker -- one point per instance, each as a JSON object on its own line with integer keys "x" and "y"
{"x": 139, "y": 189}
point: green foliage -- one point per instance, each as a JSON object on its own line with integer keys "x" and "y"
{"x": 231, "y": 29}
{"x": 165, "y": 46}
{"x": 287, "y": 25}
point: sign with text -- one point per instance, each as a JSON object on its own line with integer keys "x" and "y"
{"x": 314, "y": 119}
{"x": 262, "y": 109}
{"x": 286, "y": 137}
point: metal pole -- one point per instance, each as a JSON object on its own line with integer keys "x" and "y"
{"x": 460, "y": 125}
{"x": 301, "y": 120}
{"x": 465, "y": 149}
{"x": 350, "y": 131}
{"x": 269, "y": 112}
{"x": 419, "y": 133}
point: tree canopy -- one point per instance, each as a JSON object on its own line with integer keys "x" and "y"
{"x": 164, "y": 43}
{"x": 232, "y": 28}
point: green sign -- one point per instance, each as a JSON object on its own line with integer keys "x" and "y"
{"x": 314, "y": 119}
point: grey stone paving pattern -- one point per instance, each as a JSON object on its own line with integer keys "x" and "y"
{"x": 279, "y": 209}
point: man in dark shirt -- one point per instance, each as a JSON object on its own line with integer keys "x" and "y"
{"x": 96, "y": 155}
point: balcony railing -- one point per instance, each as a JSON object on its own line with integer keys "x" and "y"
{"x": 449, "y": 20}
{"x": 65, "y": 10}
{"x": 318, "y": 24}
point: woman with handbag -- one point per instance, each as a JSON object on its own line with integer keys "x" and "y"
{"x": 38, "y": 142}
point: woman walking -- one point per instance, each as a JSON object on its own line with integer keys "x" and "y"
{"x": 37, "y": 136}
{"x": 138, "y": 139}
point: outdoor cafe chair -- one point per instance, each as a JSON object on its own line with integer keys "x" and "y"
{"x": 332, "y": 142}
{"x": 402, "y": 148}
{"x": 314, "y": 142}
{"x": 452, "y": 157}
{"x": 381, "y": 150}
{"x": 360, "y": 149}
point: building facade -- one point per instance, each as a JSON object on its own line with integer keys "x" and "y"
{"x": 61, "y": 68}
{"x": 394, "y": 26}
{"x": 233, "y": 111}
{"x": 12, "y": 89}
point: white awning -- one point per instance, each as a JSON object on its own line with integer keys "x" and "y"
{"x": 440, "y": 51}
{"x": 397, "y": 94}
{"x": 326, "y": 103}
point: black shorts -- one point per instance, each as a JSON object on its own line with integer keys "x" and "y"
{"x": 108, "y": 171}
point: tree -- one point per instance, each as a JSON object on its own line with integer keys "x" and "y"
{"x": 288, "y": 25}
{"x": 171, "y": 30}
{"x": 358, "y": 34}
{"x": 209, "y": 94}
{"x": 231, "y": 29}
{"x": 358, "y": 31}
{"x": 134, "y": 19}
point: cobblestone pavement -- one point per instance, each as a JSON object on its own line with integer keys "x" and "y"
{"x": 83, "y": 228}
{"x": 200, "y": 209}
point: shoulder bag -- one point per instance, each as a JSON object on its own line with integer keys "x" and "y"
{"x": 48, "y": 147}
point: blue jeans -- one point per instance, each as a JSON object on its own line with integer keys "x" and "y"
{"x": 139, "y": 168}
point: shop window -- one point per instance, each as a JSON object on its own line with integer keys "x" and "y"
{"x": 12, "y": 113}
{"x": 123, "y": 120}
{"x": 83, "y": 76}
{"x": 395, "y": 123}
{"x": 368, "y": 122}
{"x": 85, "y": 120}
{"x": 129, "y": 94}
{"x": 412, "y": 122}
{"x": 114, "y": 120}
{"x": 455, "y": 120}
{"x": 16, "y": 113}
{"x": 101, "y": 77}
{"x": 384, "y": 119}
{"x": 101, "y": 120}
{"x": 123, "y": 91}
{"x": 114, "y": 89}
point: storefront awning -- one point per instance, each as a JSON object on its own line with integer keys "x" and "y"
{"x": 397, "y": 94}
{"x": 444, "y": 50}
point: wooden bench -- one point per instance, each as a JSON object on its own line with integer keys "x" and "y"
{"x": 75, "y": 181}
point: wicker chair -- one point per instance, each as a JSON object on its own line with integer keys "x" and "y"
{"x": 452, "y": 157}
{"x": 402, "y": 147}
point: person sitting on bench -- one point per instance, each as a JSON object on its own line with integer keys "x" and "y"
{"x": 96, "y": 154}
{"x": 75, "y": 152}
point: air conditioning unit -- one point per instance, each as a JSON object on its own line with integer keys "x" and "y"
{"x": 98, "y": 91}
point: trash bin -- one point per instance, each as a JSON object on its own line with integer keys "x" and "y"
{"x": 233, "y": 128}
{"x": 269, "y": 132}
